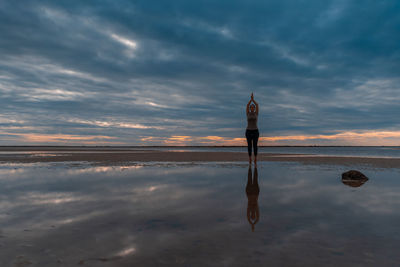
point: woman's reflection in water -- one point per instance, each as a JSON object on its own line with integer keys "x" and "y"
{"x": 252, "y": 192}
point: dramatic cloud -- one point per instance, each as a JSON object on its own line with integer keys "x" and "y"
{"x": 181, "y": 72}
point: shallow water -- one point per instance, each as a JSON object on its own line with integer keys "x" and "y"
{"x": 346, "y": 151}
{"x": 196, "y": 215}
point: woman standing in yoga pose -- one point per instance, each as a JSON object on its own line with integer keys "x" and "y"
{"x": 252, "y": 133}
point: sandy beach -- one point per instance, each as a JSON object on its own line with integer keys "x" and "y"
{"x": 125, "y": 156}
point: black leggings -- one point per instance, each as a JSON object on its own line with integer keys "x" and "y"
{"x": 252, "y": 139}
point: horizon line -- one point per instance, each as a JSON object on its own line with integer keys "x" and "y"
{"x": 140, "y": 146}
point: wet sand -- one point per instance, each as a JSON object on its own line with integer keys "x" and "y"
{"x": 114, "y": 156}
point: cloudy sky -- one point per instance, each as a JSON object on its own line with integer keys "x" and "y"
{"x": 181, "y": 72}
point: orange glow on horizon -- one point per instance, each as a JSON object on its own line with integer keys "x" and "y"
{"x": 342, "y": 138}
{"x": 62, "y": 138}
{"x": 388, "y": 138}
{"x": 59, "y": 137}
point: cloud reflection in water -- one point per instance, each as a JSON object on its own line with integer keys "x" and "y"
{"x": 158, "y": 215}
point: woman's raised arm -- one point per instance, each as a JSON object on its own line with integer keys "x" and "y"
{"x": 248, "y": 107}
{"x": 256, "y": 106}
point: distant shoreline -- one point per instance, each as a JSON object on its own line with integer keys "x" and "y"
{"x": 114, "y": 157}
{"x": 83, "y": 146}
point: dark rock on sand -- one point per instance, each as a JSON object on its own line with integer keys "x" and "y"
{"x": 354, "y": 175}
{"x": 354, "y": 178}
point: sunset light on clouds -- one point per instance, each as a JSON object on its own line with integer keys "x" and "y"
{"x": 180, "y": 73}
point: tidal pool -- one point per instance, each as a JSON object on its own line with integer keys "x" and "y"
{"x": 197, "y": 215}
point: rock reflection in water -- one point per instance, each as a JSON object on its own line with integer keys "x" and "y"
{"x": 252, "y": 192}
